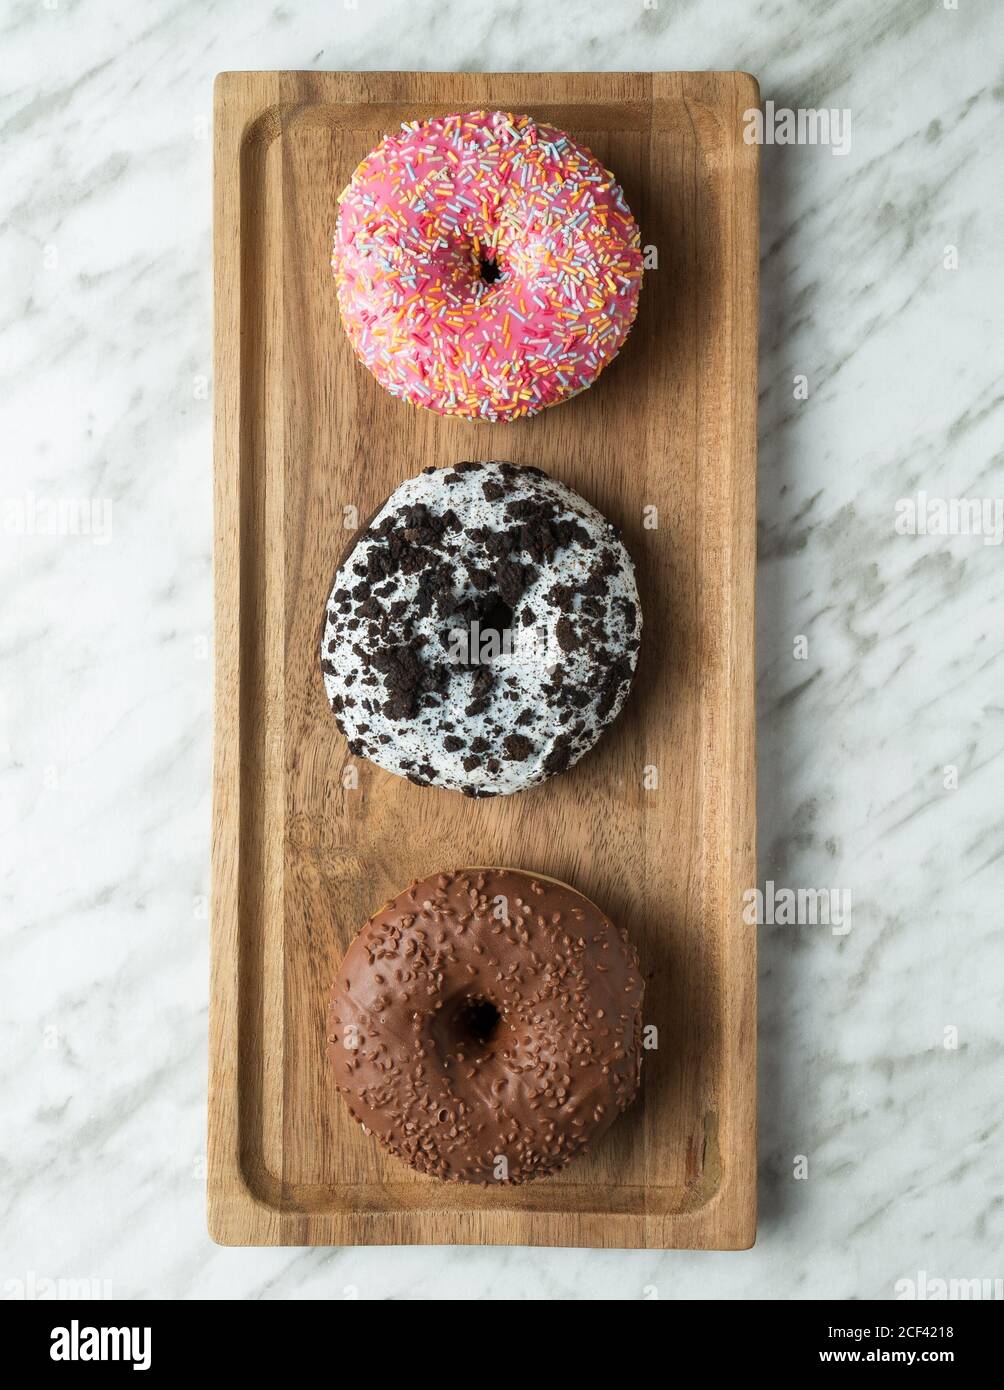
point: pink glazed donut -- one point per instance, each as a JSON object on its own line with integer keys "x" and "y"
{"x": 486, "y": 266}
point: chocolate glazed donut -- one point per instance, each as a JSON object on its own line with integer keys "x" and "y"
{"x": 485, "y": 1025}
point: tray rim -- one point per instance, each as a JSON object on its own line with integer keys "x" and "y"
{"x": 250, "y": 105}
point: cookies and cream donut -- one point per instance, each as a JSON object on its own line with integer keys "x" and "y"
{"x": 482, "y": 630}
{"x": 486, "y": 266}
{"x": 486, "y": 1025}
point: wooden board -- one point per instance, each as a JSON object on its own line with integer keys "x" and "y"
{"x": 656, "y": 824}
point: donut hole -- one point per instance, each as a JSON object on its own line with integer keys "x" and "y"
{"x": 476, "y": 1023}
{"x": 495, "y": 617}
{"x": 491, "y": 272}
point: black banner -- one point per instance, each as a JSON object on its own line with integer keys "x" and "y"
{"x": 167, "y": 1339}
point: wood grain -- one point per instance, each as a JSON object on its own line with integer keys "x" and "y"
{"x": 300, "y": 860}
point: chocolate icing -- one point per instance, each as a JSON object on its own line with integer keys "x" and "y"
{"x": 487, "y": 1015}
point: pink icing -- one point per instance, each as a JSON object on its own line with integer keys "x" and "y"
{"x": 422, "y": 217}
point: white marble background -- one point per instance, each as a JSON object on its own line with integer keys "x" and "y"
{"x": 105, "y": 354}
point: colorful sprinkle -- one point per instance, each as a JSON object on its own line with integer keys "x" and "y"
{"x": 428, "y": 209}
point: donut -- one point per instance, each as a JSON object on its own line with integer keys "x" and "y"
{"x": 482, "y": 630}
{"x": 485, "y": 1025}
{"x": 486, "y": 266}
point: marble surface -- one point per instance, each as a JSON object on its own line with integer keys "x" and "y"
{"x": 105, "y": 353}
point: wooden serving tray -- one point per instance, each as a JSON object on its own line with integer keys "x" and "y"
{"x": 300, "y": 860}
